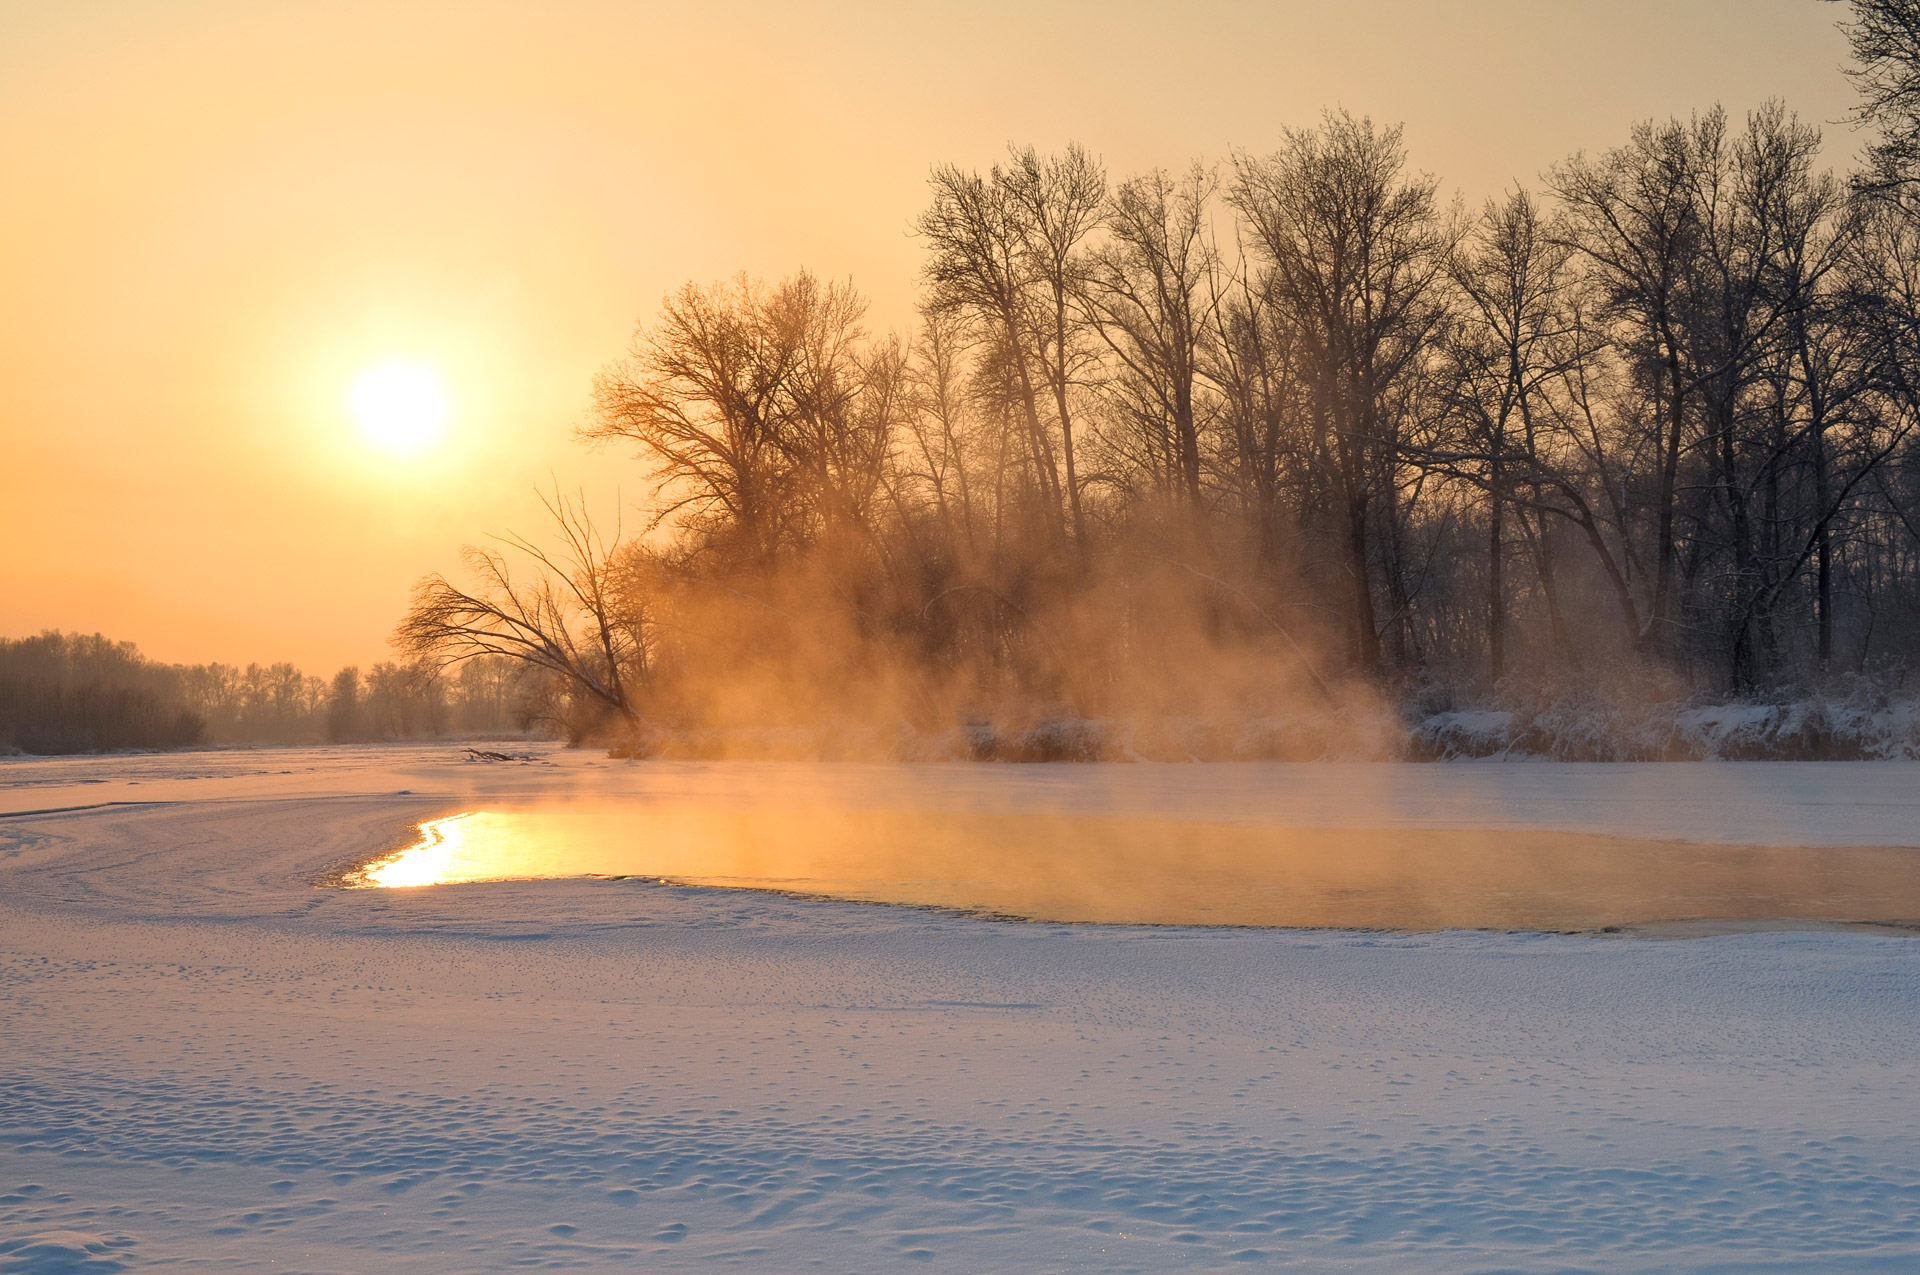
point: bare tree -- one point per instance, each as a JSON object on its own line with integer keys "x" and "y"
{"x": 1356, "y": 248}
{"x": 579, "y": 616}
{"x": 1634, "y": 216}
{"x": 1885, "y": 40}
{"x": 1148, "y": 289}
{"x": 1712, "y": 245}
{"x": 1267, "y": 450}
{"x": 1062, "y": 198}
{"x": 939, "y": 421}
{"x": 978, "y": 266}
{"x": 1006, "y": 251}
{"x": 765, "y": 411}
{"x": 1511, "y": 350}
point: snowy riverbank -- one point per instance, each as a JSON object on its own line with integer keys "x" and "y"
{"x": 210, "y": 1062}
{"x": 1586, "y": 724}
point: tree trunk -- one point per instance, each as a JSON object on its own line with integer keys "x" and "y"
{"x": 1742, "y": 664}
{"x": 1044, "y": 470}
{"x": 1066, "y": 421}
{"x": 1823, "y": 551}
{"x": 1183, "y": 425}
{"x": 1496, "y": 580}
{"x": 1366, "y": 636}
{"x": 1655, "y": 636}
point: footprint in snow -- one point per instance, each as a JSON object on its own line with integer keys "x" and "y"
{"x": 63, "y": 1253}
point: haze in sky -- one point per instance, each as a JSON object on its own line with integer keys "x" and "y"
{"x": 297, "y": 299}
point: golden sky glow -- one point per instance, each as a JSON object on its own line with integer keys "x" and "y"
{"x": 217, "y": 217}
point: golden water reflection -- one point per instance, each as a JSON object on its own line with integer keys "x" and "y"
{"x": 440, "y": 855}
{"x": 1155, "y": 871}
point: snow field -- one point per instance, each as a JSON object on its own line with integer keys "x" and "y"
{"x": 207, "y": 1062}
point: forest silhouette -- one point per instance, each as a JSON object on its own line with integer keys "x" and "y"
{"x": 1281, "y": 438}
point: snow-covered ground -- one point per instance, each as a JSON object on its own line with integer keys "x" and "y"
{"x": 207, "y": 1060}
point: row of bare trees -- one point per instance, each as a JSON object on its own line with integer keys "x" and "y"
{"x": 1239, "y": 432}
{"x": 76, "y": 692}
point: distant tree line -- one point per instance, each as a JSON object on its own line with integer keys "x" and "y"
{"x": 71, "y": 692}
{"x": 1264, "y": 432}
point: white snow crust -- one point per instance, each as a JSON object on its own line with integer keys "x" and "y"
{"x": 208, "y": 1060}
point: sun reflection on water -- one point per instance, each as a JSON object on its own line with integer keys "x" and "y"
{"x": 428, "y": 861}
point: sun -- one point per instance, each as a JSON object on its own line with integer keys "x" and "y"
{"x": 401, "y": 405}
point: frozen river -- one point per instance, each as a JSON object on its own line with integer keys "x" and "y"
{"x": 214, "y": 1057}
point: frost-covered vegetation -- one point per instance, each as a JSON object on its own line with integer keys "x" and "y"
{"x": 1856, "y": 719}
{"x": 1865, "y": 724}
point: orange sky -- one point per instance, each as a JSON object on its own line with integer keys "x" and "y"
{"x": 215, "y": 214}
